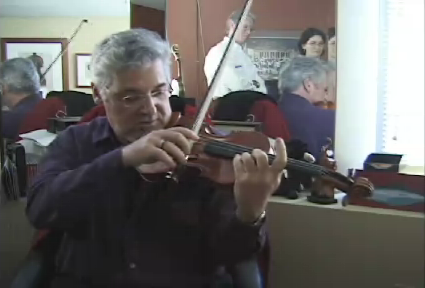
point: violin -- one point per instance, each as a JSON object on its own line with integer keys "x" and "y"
{"x": 212, "y": 155}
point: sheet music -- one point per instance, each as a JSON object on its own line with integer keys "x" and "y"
{"x": 41, "y": 137}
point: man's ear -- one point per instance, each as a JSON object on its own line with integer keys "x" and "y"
{"x": 230, "y": 25}
{"x": 307, "y": 85}
{"x": 96, "y": 94}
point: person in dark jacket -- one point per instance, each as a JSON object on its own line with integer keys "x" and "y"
{"x": 123, "y": 229}
{"x": 20, "y": 93}
{"x": 304, "y": 81}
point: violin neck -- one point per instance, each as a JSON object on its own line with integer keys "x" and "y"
{"x": 228, "y": 151}
{"x": 304, "y": 167}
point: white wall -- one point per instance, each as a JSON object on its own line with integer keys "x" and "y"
{"x": 48, "y": 27}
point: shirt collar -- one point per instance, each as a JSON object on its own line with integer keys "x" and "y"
{"x": 295, "y": 98}
{"x": 103, "y": 131}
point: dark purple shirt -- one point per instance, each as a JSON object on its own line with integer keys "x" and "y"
{"x": 308, "y": 123}
{"x": 123, "y": 231}
{"x": 12, "y": 119}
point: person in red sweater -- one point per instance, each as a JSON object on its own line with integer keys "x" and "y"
{"x": 95, "y": 112}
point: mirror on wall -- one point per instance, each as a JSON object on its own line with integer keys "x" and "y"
{"x": 276, "y": 32}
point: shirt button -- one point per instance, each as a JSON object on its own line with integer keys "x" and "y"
{"x": 132, "y": 265}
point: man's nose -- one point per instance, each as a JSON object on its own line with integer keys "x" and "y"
{"x": 148, "y": 106}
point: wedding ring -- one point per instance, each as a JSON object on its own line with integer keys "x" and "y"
{"x": 162, "y": 144}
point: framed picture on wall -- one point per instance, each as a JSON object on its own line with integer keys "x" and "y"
{"x": 269, "y": 50}
{"x": 83, "y": 74}
{"x": 45, "y": 54}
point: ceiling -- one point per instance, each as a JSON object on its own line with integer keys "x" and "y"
{"x": 78, "y": 8}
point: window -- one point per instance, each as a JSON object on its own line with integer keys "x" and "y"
{"x": 401, "y": 80}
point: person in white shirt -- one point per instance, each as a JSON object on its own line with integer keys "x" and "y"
{"x": 175, "y": 87}
{"x": 239, "y": 73}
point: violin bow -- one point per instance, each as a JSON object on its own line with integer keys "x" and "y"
{"x": 43, "y": 76}
{"x": 203, "y": 111}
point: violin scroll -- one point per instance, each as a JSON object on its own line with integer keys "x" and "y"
{"x": 361, "y": 188}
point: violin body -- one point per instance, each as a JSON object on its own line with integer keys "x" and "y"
{"x": 212, "y": 161}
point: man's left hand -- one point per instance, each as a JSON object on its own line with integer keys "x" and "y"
{"x": 256, "y": 180}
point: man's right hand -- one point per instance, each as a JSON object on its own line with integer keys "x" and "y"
{"x": 159, "y": 151}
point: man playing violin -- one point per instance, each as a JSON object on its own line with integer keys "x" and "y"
{"x": 120, "y": 227}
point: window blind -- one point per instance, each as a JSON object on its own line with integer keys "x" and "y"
{"x": 401, "y": 80}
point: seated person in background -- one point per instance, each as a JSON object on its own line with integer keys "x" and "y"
{"x": 302, "y": 82}
{"x": 329, "y": 102}
{"x": 77, "y": 102}
{"x": 20, "y": 92}
{"x": 253, "y": 106}
{"x": 122, "y": 229}
{"x": 239, "y": 73}
{"x": 96, "y": 111}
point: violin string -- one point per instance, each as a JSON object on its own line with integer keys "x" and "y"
{"x": 238, "y": 149}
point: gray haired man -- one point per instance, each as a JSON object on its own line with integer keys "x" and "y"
{"x": 303, "y": 81}
{"x": 123, "y": 229}
{"x": 20, "y": 92}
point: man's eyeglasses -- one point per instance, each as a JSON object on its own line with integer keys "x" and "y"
{"x": 138, "y": 100}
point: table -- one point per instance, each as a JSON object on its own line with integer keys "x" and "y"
{"x": 316, "y": 246}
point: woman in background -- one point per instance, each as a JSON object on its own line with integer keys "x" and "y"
{"x": 312, "y": 43}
